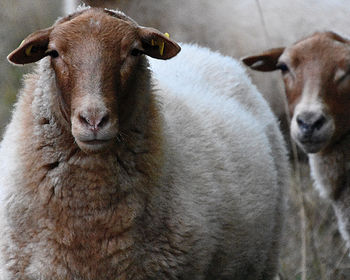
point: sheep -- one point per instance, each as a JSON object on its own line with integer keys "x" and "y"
{"x": 316, "y": 77}
{"x": 111, "y": 169}
{"x": 237, "y": 28}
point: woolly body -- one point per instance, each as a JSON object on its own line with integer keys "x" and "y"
{"x": 193, "y": 189}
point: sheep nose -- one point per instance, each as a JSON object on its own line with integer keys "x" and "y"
{"x": 95, "y": 121}
{"x": 308, "y": 122}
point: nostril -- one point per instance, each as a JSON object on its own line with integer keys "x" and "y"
{"x": 94, "y": 121}
{"x": 305, "y": 126}
{"x": 84, "y": 120}
{"x": 309, "y": 122}
{"x": 104, "y": 120}
{"x": 319, "y": 123}
{"x": 302, "y": 123}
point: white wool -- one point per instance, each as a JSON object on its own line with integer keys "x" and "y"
{"x": 221, "y": 189}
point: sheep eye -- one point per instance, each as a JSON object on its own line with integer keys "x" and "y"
{"x": 283, "y": 67}
{"x": 341, "y": 75}
{"x": 52, "y": 53}
{"x": 136, "y": 52}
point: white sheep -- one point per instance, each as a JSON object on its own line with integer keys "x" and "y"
{"x": 237, "y": 28}
{"x": 105, "y": 176}
{"x": 317, "y": 81}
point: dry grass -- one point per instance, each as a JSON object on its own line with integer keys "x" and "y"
{"x": 326, "y": 254}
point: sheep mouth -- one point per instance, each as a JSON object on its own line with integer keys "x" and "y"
{"x": 95, "y": 142}
{"x": 313, "y": 141}
{"x": 94, "y": 145}
{"x": 312, "y": 145}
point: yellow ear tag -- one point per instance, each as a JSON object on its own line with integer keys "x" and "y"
{"x": 28, "y": 50}
{"x": 161, "y": 44}
{"x": 161, "y": 48}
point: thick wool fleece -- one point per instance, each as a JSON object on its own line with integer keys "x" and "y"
{"x": 193, "y": 192}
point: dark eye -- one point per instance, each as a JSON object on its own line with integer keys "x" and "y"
{"x": 52, "y": 53}
{"x": 136, "y": 52}
{"x": 341, "y": 75}
{"x": 283, "y": 67}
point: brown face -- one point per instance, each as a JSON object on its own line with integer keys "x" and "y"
{"x": 92, "y": 68}
{"x": 97, "y": 56}
{"x": 316, "y": 74}
{"x": 317, "y": 84}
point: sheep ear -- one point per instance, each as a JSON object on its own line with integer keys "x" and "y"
{"x": 32, "y": 48}
{"x": 157, "y": 45}
{"x": 267, "y": 61}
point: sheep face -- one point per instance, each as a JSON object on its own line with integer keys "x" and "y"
{"x": 96, "y": 55}
{"x": 316, "y": 75}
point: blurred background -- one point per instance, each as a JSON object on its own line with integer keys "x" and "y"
{"x": 17, "y": 20}
{"x": 312, "y": 246}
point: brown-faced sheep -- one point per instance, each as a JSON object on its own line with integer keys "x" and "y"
{"x": 316, "y": 74}
{"x": 110, "y": 171}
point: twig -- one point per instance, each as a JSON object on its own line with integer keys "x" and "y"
{"x": 316, "y": 256}
{"x": 303, "y": 228}
{"x": 339, "y": 262}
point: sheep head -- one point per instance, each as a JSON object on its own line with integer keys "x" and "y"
{"x": 316, "y": 75}
{"x": 96, "y": 55}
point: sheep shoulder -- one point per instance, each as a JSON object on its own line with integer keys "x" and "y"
{"x": 330, "y": 170}
{"x": 331, "y": 182}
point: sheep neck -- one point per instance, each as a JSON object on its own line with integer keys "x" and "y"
{"x": 331, "y": 169}
{"x": 331, "y": 172}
